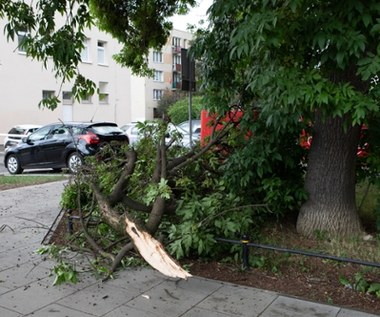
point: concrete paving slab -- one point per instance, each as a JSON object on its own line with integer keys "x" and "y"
{"x": 3, "y": 290}
{"x": 8, "y": 313}
{"x": 140, "y": 279}
{"x": 352, "y": 313}
{"x": 197, "y": 284}
{"x": 293, "y": 307}
{"x": 55, "y": 310}
{"x": 33, "y": 296}
{"x": 98, "y": 299}
{"x": 200, "y": 312}
{"x": 19, "y": 256}
{"x": 21, "y": 275}
{"x": 133, "y": 312}
{"x": 86, "y": 280}
{"x": 241, "y": 301}
{"x": 19, "y": 239}
{"x": 170, "y": 299}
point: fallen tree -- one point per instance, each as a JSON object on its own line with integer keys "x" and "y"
{"x": 111, "y": 194}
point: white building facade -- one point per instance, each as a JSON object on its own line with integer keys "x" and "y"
{"x": 122, "y": 97}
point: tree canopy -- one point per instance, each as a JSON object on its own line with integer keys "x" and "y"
{"x": 297, "y": 55}
{"x": 315, "y": 61}
{"x": 298, "y": 60}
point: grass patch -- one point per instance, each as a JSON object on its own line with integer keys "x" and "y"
{"x": 367, "y": 202}
{"x": 8, "y": 182}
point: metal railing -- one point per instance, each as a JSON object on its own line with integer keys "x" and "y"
{"x": 246, "y": 244}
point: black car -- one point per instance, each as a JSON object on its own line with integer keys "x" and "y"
{"x": 61, "y": 145}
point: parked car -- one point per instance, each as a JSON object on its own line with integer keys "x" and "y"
{"x": 18, "y": 132}
{"x": 131, "y": 131}
{"x": 134, "y": 133}
{"x": 61, "y": 145}
{"x": 196, "y": 128}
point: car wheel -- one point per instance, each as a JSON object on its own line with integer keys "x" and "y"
{"x": 74, "y": 162}
{"x": 13, "y": 165}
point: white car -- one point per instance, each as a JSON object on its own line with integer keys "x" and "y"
{"x": 16, "y": 134}
{"x": 196, "y": 128}
{"x": 131, "y": 131}
{"x": 134, "y": 134}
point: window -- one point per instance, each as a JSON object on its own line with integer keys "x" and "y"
{"x": 101, "y": 53}
{"x": 176, "y": 59}
{"x": 46, "y": 94}
{"x": 176, "y": 78}
{"x": 87, "y": 99}
{"x": 21, "y": 37}
{"x": 157, "y": 57}
{"x": 176, "y": 81}
{"x": 40, "y": 134}
{"x": 85, "y": 54}
{"x": 157, "y": 94}
{"x": 60, "y": 132}
{"x": 67, "y": 98}
{"x": 176, "y": 41}
{"x": 103, "y": 93}
{"x": 158, "y": 75}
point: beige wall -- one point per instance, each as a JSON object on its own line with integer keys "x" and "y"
{"x": 22, "y": 81}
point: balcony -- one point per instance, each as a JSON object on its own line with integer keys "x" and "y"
{"x": 176, "y": 85}
{"x": 177, "y": 67}
{"x": 176, "y": 49}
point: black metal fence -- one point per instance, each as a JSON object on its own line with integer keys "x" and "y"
{"x": 246, "y": 244}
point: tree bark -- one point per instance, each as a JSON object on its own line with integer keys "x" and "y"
{"x": 330, "y": 180}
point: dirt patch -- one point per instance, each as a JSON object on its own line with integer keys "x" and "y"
{"x": 318, "y": 282}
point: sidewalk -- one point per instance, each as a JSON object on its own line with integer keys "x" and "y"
{"x": 26, "y": 286}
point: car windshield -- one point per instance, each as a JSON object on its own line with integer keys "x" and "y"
{"x": 17, "y": 130}
{"x": 107, "y": 129}
{"x": 39, "y": 134}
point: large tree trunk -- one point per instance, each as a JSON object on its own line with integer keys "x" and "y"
{"x": 330, "y": 180}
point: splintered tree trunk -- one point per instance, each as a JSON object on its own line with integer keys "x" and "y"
{"x": 330, "y": 181}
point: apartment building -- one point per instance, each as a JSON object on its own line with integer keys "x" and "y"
{"x": 122, "y": 97}
{"x": 167, "y": 69}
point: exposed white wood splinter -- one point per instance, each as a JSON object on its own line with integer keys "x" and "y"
{"x": 154, "y": 253}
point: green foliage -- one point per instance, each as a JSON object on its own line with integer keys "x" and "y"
{"x": 266, "y": 165}
{"x": 168, "y": 99}
{"x": 64, "y": 271}
{"x": 157, "y": 190}
{"x": 76, "y": 193}
{"x": 202, "y": 219}
{"x": 289, "y": 60}
{"x": 179, "y": 111}
{"x": 360, "y": 284}
{"x": 294, "y": 56}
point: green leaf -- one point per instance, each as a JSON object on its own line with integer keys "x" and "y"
{"x": 373, "y": 288}
{"x": 367, "y": 19}
{"x": 339, "y": 59}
